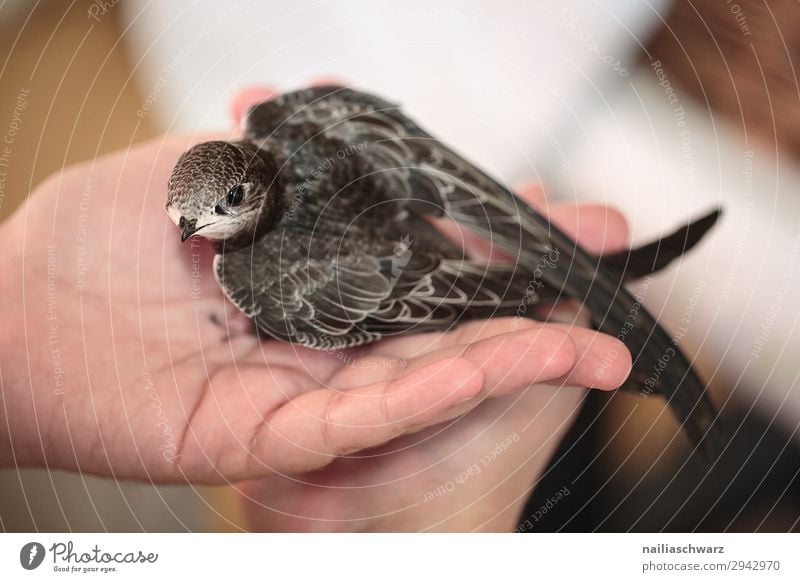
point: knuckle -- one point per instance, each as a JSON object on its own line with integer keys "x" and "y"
{"x": 330, "y": 430}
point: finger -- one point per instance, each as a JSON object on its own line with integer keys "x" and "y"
{"x": 247, "y": 98}
{"x": 604, "y": 362}
{"x": 597, "y": 228}
{"x": 514, "y": 360}
{"x": 532, "y": 193}
{"x": 412, "y": 346}
{"x": 600, "y": 361}
{"x": 509, "y": 361}
{"x": 312, "y": 430}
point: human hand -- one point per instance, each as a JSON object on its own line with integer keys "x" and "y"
{"x": 116, "y": 360}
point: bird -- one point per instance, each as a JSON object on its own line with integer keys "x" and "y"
{"x": 321, "y": 216}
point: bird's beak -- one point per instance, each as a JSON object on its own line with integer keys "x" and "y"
{"x": 188, "y": 228}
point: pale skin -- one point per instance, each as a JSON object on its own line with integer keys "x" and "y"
{"x": 120, "y": 357}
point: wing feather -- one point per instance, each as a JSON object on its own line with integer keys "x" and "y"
{"x": 412, "y": 165}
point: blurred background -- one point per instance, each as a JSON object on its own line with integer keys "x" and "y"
{"x": 660, "y": 108}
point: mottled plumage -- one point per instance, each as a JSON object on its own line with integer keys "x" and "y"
{"x": 321, "y": 216}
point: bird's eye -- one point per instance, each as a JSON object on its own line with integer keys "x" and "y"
{"x": 235, "y": 195}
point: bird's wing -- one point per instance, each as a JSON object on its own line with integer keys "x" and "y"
{"x": 315, "y": 302}
{"x": 414, "y": 165}
{"x": 357, "y": 297}
{"x": 410, "y": 163}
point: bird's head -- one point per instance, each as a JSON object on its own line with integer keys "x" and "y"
{"x": 218, "y": 190}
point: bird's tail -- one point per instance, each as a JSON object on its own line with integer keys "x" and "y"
{"x": 652, "y": 257}
{"x": 659, "y": 364}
